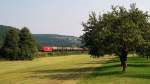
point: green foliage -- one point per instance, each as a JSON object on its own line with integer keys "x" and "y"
{"x": 128, "y": 29}
{"x": 10, "y": 48}
{"x": 27, "y": 44}
{"x": 18, "y": 45}
{"x": 119, "y": 31}
{"x": 3, "y": 31}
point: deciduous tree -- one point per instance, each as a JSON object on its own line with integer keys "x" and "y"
{"x": 119, "y": 32}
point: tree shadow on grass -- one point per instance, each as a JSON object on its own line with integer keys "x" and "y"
{"x": 62, "y": 74}
{"x": 74, "y": 73}
{"x": 110, "y": 68}
{"x": 143, "y": 76}
{"x": 138, "y": 65}
{"x": 102, "y": 62}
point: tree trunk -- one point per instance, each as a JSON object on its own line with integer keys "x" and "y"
{"x": 123, "y": 62}
{"x": 147, "y": 57}
{"x": 123, "y": 59}
{"x": 124, "y": 66}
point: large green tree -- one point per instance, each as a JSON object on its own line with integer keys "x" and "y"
{"x": 27, "y": 44}
{"x": 119, "y": 32}
{"x": 10, "y": 49}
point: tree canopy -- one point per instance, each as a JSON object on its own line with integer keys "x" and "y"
{"x": 10, "y": 49}
{"x": 27, "y": 44}
{"x": 18, "y": 45}
{"x": 119, "y": 32}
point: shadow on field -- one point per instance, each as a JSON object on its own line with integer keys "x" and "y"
{"x": 62, "y": 74}
{"x": 110, "y": 68}
{"x": 143, "y": 76}
{"x": 75, "y": 73}
{"x": 138, "y": 65}
{"x": 101, "y": 62}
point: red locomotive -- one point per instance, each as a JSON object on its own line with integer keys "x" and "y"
{"x": 47, "y": 49}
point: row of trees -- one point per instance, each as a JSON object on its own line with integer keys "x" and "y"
{"x": 18, "y": 45}
{"x": 120, "y": 31}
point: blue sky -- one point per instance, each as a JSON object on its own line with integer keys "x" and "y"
{"x": 56, "y": 16}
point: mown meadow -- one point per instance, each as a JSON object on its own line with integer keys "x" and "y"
{"x": 75, "y": 69}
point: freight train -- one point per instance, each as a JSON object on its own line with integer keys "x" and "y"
{"x": 52, "y": 49}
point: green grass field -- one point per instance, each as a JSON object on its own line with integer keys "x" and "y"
{"x": 75, "y": 69}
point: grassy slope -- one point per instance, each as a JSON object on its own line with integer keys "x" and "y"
{"x": 80, "y": 69}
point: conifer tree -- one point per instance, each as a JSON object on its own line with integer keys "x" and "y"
{"x": 10, "y": 48}
{"x": 27, "y": 44}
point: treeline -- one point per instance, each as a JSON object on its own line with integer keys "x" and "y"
{"x": 18, "y": 45}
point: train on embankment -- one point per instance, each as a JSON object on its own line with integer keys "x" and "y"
{"x": 61, "y": 51}
{"x": 54, "y": 49}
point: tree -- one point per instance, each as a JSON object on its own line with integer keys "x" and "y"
{"x": 119, "y": 32}
{"x": 10, "y": 49}
{"x": 27, "y": 44}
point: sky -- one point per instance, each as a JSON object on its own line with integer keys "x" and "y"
{"x": 57, "y": 16}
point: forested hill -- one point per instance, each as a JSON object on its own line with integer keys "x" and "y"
{"x": 46, "y": 39}
{"x": 57, "y": 40}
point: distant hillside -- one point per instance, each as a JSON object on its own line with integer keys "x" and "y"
{"x": 46, "y": 39}
{"x": 57, "y": 40}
